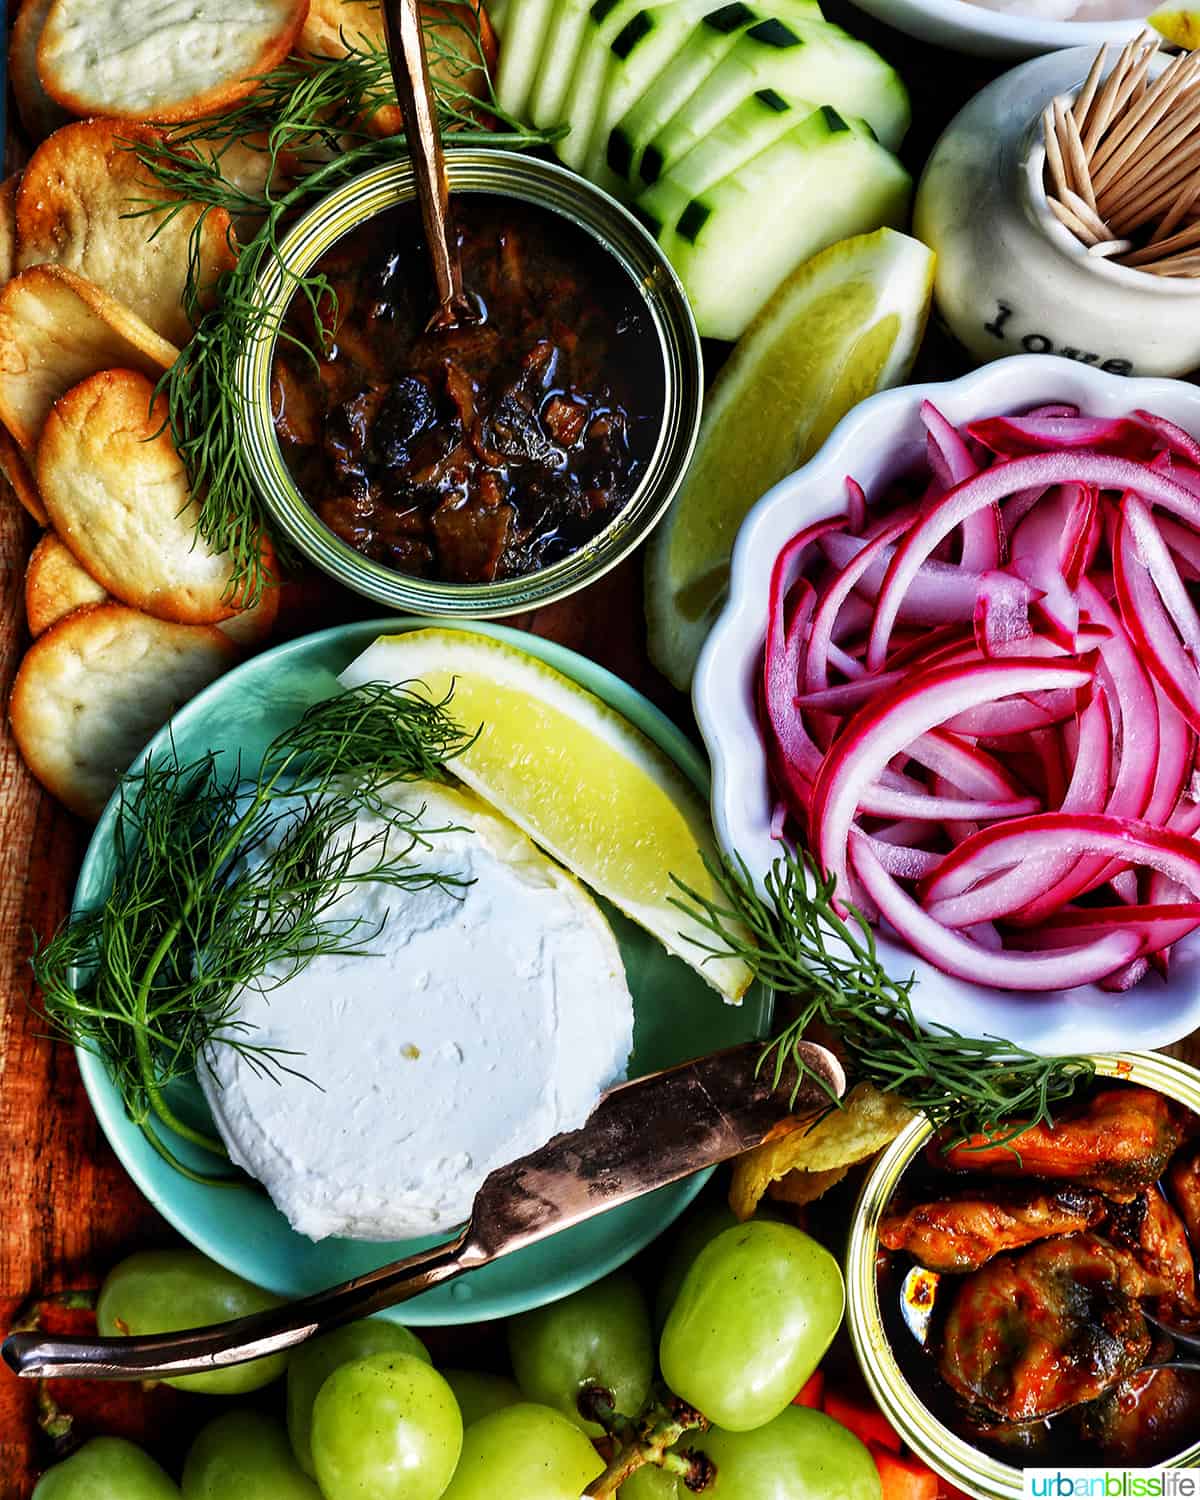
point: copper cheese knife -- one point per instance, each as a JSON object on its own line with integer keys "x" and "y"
{"x": 641, "y": 1136}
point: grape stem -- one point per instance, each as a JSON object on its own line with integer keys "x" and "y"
{"x": 647, "y": 1439}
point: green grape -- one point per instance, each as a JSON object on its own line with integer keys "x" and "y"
{"x": 106, "y": 1469}
{"x": 164, "y": 1291}
{"x": 243, "y": 1455}
{"x": 479, "y": 1394}
{"x": 385, "y": 1428}
{"x": 652, "y": 1483}
{"x": 598, "y": 1336}
{"x": 528, "y": 1451}
{"x": 799, "y": 1455}
{"x": 313, "y": 1363}
{"x": 757, "y": 1310}
{"x": 700, "y": 1225}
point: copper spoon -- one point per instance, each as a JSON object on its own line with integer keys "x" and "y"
{"x": 410, "y": 72}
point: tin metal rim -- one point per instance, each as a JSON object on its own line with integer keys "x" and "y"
{"x": 509, "y": 174}
{"x": 952, "y": 1457}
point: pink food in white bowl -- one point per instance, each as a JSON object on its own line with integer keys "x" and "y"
{"x": 960, "y": 663}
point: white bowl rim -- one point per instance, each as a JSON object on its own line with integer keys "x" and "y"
{"x": 725, "y": 714}
{"x": 1031, "y": 31}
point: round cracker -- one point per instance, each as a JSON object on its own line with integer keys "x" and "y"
{"x": 79, "y": 204}
{"x": 39, "y": 113}
{"x": 21, "y": 481}
{"x": 162, "y": 60}
{"x": 55, "y": 329}
{"x": 55, "y": 584}
{"x": 116, "y": 491}
{"x": 8, "y": 228}
{"x": 95, "y": 687}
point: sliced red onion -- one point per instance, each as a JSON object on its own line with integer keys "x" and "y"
{"x": 1174, "y": 437}
{"x": 996, "y": 484}
{"x": 1155, "y": 608}
{"x": 884, "y": 727}
{"x": 1013, "y": 436}
{"x": 1054, "y": 969}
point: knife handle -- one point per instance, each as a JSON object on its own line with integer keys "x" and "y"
{"x": 199, "y": 1351}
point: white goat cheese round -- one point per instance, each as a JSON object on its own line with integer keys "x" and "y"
{"x": 487, "y": 1018}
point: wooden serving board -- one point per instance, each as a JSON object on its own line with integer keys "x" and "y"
{"x": 67, "y": 1208}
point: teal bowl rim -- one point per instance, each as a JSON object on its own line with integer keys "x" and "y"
{"x": 105, "y": 1103}
{"x": 506, "y": 173}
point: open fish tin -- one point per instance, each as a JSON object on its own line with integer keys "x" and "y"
{"x": 528, "y": 180}
{"x": 931, "y": 1440}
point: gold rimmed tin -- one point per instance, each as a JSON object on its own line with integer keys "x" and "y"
{"x": 529, "y": 180}
{"x": 933, "y": 1442}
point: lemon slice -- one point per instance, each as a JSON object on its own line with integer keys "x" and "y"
{"x": 843, "y": 325}
{"x": 1181, "y": 27}
{"x": 574, "y": 775}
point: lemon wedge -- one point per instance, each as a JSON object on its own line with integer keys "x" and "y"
{"x": 845, "y": 324}
{"x": 1180, "y": 27}
{"x": 574, "y": 775}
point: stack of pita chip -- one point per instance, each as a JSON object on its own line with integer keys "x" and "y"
{"x": 130, "y": 612}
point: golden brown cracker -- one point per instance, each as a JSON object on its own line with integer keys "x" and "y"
{"x": 79, "y": 205}
{"x": 117, "y": 493}
{"x": 56, "y": 328}
{"x": 95, "y": 687}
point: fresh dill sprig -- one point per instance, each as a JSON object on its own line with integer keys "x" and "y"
{"x": 225, "y": 882}
{"x": 798, "y": 945}
{"x": 310, "y": 120}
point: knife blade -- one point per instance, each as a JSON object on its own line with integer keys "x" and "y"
{"x": 641, "y": 1136}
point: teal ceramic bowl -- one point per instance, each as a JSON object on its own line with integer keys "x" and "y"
{"x": 676, "y": 1016}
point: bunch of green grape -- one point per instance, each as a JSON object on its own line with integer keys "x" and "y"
{"x": 744, "y": 1313}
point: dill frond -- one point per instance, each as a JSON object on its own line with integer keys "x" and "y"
{"x": 224, "y": 882}
{"x": 798, "y": 945}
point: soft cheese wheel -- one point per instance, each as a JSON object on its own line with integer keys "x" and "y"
{"x": 489, "y": 1017}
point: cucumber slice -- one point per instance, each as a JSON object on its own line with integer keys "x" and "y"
{"x": 755, "y": 124}
{"x": 525, "y": 26}
{"x": 818, "y": 184}
{"x": 802, "y": 60}
{"x": 602, "y": 23}
{"x": 551, "y": 98}
{"x": 648, "y": 45}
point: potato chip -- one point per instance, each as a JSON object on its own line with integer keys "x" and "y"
{"x": 802, "y": 1188}
{"x": 79, "y": 204}
{"x": 96, "y": 686}
{"x": 117, "y": 494}
{"x": 55, "y": 584}
{"x": 145, "y": 60}
{"x": 56, "y": 328}
{"x": 39, "y": 113}
{"x": 23, "y": 485}
{"x": 335, "y": 27}
{"x": 866, "y": 1122}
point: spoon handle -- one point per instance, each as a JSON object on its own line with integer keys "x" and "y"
{"x": 200, "y": 1351}
{"x": 410, "y": 70}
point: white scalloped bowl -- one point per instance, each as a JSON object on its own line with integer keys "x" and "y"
{"x": 962, "y": 26}
{"x": 877, "y": 441}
